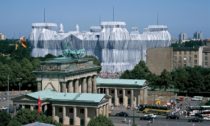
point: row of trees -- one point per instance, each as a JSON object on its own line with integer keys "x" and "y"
{"x": 187, "y": 80}
{"x": 25, "y": 116}
{"x": 16, "y": 65}
{"x": 190, "y": 44}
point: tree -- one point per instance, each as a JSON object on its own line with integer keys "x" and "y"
{"x": 25, "y": 116}
{"x": 14, "y": 122}
{"x": 140, "y": 71}
{"x": 164, "y": 80}
{"x": 100, "y": 121}
{"x": 4, "y": 118}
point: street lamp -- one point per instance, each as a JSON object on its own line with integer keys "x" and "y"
{"x": 133, "y": 117}
{"x": 19, "y": 84}
{"x": 8, "y": 93}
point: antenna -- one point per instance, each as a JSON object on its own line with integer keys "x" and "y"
{"x": 44, "y": 15}
{"x": 99, "y": 20}
{"x": 157, "y": 19}
{"x": 113, "y": 13}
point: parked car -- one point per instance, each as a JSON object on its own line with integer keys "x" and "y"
{"x": 172, "y": 116}
{"x": 152, "y": 115}
{"x": 146, "y": 117}
{"x": 123, "y": 114}
{"x": 195, "y": 120}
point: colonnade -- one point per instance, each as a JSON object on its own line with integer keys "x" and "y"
{"x": 136, "y": 96}
{"x": 80, "y": 85}
{"x": 76, "y": 114}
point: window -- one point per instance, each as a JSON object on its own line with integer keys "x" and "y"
{"x": 120, "y": 91}
{"x": 185, "y": 52}
{"x": 61, "y": 120}
{"x": 60, "y": 109}
{"x": 206, "y": 54}
{"x": 195, "y": 61}
{"x": 112, "y": 91}
{"x": 71, "y": 121}
{"x": 195, "y": 56}
{"x": 81, "y": 111}
{"x": 128, "y": 92}
{"x": 206, "y": 58}
{"x": 206, "y": 63}
{"x": 71, "y": 110}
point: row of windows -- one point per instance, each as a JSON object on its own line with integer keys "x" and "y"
{"x": 120, "y": 91}
{"x": 71, "y": 110}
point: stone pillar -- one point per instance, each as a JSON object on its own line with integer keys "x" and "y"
{"x": 132, "y": 98}
{"x": 53, "y": 112}
{"x": 145, "y": 96}
{"x": 84, "y": 85}
{"x": 97, "y": 111}
{"x": 63, "y": 86}
{"x": 75, "y": 115}
{"x": 76, "y": 86}
{"x": 115, "y": 97}
{"x": 64, "y": 115}
{"x": 31, "y": 107}
{"x": 89, "y": 85}
{"x": 141, "y": 96}
{"x": 70, "y": 87}
{"x": 86, "y": 116}
{"x": 107, "y": 110}
{"x": 45, "y": 108}
{"x": 107, "y": 91}
{"x": 138, "y": 100}
{"x": 94, "y": 84}
{"x": 39, "y": 86}
{"x": 104, "y": 110}
{"x": 124, "y": 101}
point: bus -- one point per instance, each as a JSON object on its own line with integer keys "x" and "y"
{"x": 200, "y": 111}
{"x": 154, "y": 109}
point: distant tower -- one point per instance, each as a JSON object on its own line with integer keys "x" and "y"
{"x": 44, "y": 15}
{"x": 113, "y": 14}
{"x": 198, "y": 36}
{"x": 183, "y": 37}
{"x": 61, "y": 30}
{"x": 77, "y": 28}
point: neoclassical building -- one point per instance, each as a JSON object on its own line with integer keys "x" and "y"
{"x": 67, "y": 88}
{"x": 126, "y": 92}
{"x": 67, "y": 75}
{"x": 67, "y": 108}
{"x": 72, "y": 94}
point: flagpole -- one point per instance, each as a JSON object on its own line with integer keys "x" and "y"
{"x": 8, "y": 93}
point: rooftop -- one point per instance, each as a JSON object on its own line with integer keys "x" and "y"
{"x": 120, "y": 82}
{"x": 60, "y": 96}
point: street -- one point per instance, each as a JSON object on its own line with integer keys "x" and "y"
{"x": 119, "y": 121}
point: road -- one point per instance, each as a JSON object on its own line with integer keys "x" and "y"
{"x": 119, "y": 121}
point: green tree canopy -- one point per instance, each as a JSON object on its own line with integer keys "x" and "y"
{"x": 4, "y": 118}
{"x": 100, "y": 121}
{"x": 14, "y": 122}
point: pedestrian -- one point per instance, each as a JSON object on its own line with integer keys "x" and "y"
{"x": 129, "y": 122}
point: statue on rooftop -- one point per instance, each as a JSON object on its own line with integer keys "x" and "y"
{"x": 74, "y": 54}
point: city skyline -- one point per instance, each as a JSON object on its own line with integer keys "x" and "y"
{"x": 186, "y": 16}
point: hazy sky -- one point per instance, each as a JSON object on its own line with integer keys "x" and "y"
{"x": 179, "y": 15}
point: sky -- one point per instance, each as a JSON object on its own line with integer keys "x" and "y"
{"x": 186, "y": 16}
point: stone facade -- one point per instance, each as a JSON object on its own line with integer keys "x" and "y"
{"x": 159, "y": 59}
